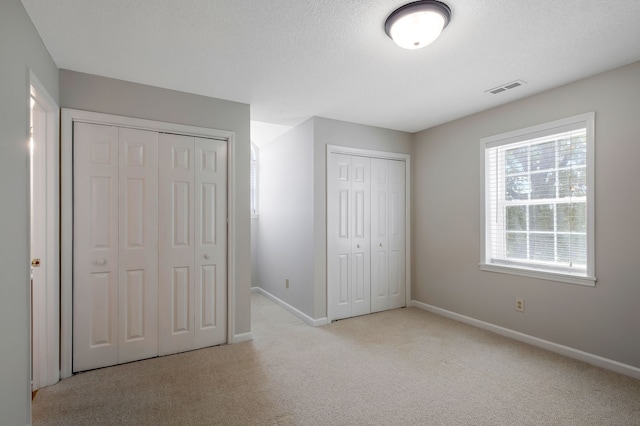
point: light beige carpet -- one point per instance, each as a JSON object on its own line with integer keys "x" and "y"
{"x": 400, "y": 367}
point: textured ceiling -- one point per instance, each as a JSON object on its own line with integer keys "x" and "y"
{"x": 293, "y": 59}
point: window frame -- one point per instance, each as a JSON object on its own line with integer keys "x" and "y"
{"x": 254, "y": 185}
{"x": 520, "y": 136}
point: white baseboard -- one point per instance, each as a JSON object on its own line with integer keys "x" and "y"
{"x": 304, "y": 317}
{"x": 242, "y": 337}
{"x": 592, "y": 359}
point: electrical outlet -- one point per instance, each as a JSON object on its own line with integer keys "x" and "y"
{"x": 286, "y": 282}
{"x": 520, "y": 305}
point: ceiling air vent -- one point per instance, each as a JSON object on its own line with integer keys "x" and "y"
{"x": 505, "y": 87}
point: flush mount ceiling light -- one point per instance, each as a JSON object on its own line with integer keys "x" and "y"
{"x": 417, "y": 24}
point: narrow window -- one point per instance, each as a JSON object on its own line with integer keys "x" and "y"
{"x": 538, "y": 201}
{"x": 254, "y": 180}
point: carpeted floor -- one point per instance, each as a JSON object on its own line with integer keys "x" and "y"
{"x": 400, "y": 367}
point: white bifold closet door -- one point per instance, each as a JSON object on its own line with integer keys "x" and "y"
{"x": 115, "y": 245}
{"x": 137, "y": 246}
{"x": 348, "y": 221}
{"x": 192, "y": 251}
{"x": 387, "y": 234}
{"x": 366, "y": 234}
{"x": 149, "y": 244}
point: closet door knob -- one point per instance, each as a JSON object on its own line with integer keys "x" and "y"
{"x": 101, "y": 262}
{"x": 206, "y": 256}
{"x": 380, "y": 244}
{"x": 358, "y": 246}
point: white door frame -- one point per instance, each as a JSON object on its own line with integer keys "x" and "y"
{"x": 337, "y": 149}
{"x": 69, "y": 116}
{"x": 45, "y": 322}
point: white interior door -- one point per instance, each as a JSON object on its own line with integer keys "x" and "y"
{"x": 388, "y": 234}
{"x": 339, "y": 233}
{"x": 150, "y": 244}
{"x": 193, "y": 242}
{"x": 45, "y": 237}
{"x": 95, "y": 242}
{"x": 138, "y": 245}
{"x": 348, "y": 245}
{"x": 360, "y": 177}
{"x": 379, "y": 235}
{"x": 397, "y": 234}
{"x": 38, "y": 245}
{"x": 210, "y": 242}
{"x": 176, "y": 243}
{"x": 366, "y": 234}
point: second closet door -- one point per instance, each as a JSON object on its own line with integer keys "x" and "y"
{"x": 348, "y": 258}
{"x": 366, "y": 235}
{"x": 192, "y": 243}
{"x": 387, "y": 234}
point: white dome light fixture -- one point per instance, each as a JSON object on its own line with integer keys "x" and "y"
{"x": 418, "y": 24}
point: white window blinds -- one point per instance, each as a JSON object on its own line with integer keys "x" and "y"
{"x": 537, "y": 198}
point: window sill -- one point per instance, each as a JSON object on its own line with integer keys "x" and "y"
{"x": 543, "y": 275}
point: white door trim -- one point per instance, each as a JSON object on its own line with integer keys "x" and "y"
{"x": 48, "y": 339}
{"x": 69, "y": 116}
{"x": 337, "y": 149}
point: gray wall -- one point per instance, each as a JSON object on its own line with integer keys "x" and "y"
{"x": 285, "y": 226}
{"x": 21, "y": 50}
{"x": 333, "y": 132}
{"x": 292, "y": 224}
{"x": 99, "y": 94}
{"x": 603, "y": 320}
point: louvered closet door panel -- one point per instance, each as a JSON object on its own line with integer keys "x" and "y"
{"x": 397, "y": 239}
{"x": 95, "y": 244}
{"x": 339, "y": 222}
{"x": 138, "y": 245}
{"x": 360, "y": 175}
{"x": 210, "y": 242}
{"x": 379, "y": 235}
{"x": 176, "y": 243}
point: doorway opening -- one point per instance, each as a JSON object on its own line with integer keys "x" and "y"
{"x": 44, "y": 237}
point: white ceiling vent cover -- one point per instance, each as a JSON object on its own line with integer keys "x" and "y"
{"x": 505, "y": 87}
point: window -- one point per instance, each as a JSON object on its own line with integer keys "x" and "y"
{"x": 538, "y": 201}
{"x": 253, "y": 180}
